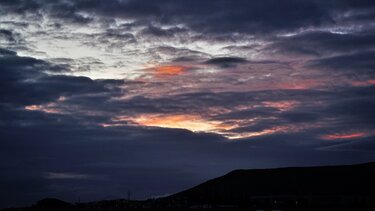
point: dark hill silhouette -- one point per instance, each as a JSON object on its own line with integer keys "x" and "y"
{"x": 348, "y": 180}
{"x": 52, "y": 204}
{"x": 350, "y": 187}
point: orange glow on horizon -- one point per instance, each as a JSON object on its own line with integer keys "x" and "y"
{"x": 336, "y": 136}
{"x": 193, "y": 123}
{"x": 197, "y": 123}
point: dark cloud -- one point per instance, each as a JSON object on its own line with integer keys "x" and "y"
{"x": 357, "y": 110}
{"x": 365, "y": 145}
{"x": 20, "y": 6}
{"x": 7, "y": 35}
{"x": 348, "y": 4}
{"x": 240, "y": 16}
{"x": 298, "y": 117}
{"x": 66, "y": 11}
{"x": 356, "y": 64}
{"x": 226, "y": 62}
{"x": 25, "y": 81}
{"x": 320, "y": 43}
{"x": 7, "y": 52}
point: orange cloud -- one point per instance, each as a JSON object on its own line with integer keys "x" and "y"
{"x": 169, "y": 70}
{"x": 281, "y": 105}
{"x": 336, "y": 136}
{"x": 363, "y": 83}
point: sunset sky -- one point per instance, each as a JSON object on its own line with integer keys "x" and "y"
{"x": 98, "y": 97}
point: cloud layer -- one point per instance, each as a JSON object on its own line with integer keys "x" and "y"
{"x": 157, "y": 96}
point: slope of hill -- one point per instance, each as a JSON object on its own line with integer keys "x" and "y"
{"x": 349, "y": 180}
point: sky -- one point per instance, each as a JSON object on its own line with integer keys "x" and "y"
{"x": 98, "y": 97}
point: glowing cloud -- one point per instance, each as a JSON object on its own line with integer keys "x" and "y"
{"x": 253, "y": 134}
{"x": 338, "y": 136}
{"x": 47, "y": 108}
{"x": 42, "y": 108}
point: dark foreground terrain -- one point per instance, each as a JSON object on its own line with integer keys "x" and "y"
{"x": 350, "y": 187}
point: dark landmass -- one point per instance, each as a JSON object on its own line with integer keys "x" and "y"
{"x": 349, "y": 187}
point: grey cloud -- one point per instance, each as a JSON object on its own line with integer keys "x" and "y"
{"x": 180, "y": 55}
{"x": 115, "y": 34}
{"x": 158, "y": 32}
